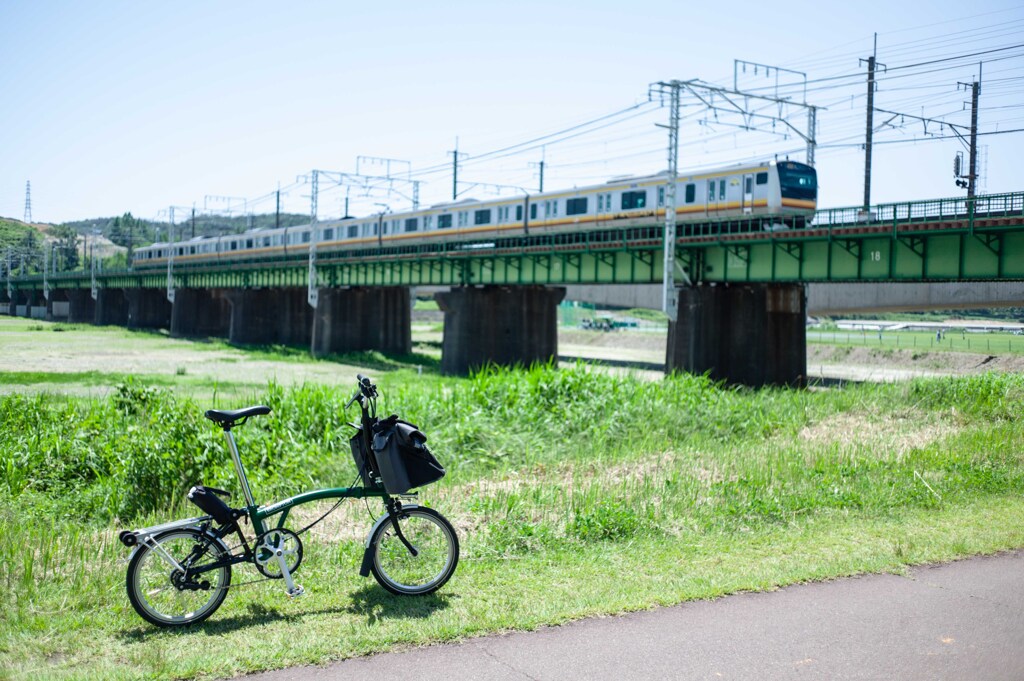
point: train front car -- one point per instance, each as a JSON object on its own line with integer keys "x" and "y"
{"x": 798, "y": 186}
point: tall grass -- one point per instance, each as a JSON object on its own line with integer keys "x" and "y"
{"x": 543, "y": 463}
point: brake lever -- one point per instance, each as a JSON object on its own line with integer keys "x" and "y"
{"x": 354, "y": 398}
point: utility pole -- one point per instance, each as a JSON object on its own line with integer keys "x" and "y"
{"x": 170, "y": 256}
{"x": 972, "y": 171}
{"x": 46, "y": 272}
{"x": 872, "y": 65}
{"x": 540, "y": 167}
{"x": 95, "y": 291}
{"x": 10, "y": 287}
{"x": 455, "y": 170}
{"x": 193, "y": 222}
{"x": 313, "y": 290}
{"x": 669, "y": 293}
{"x": 277, "y": 208}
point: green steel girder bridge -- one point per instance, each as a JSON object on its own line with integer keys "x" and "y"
{"x": 951, "y": 239}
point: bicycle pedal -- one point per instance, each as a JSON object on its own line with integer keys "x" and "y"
{"x": 296, "y": 591}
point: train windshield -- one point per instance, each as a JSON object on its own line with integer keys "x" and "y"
{"x": 798, "y": 181}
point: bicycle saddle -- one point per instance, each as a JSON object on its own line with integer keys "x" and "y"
{"x": 227, "y": 419}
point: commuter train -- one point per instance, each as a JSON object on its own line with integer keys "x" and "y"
{"x": 768, "y": 195}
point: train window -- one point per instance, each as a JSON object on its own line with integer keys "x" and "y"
{"x": 305, "y": 237}
{"x": 748, "y": 184}
{"x": 248, "y": 243}
{"x": 463, "y": 218}
{"x": 234, "y": 245}
{"x": 711, "y": 191}
{"x": 353, "y": 231}
{"x": 482, "y": 217}
{"x": 691, "y": 192}
{"x": 721, "y": 190}
{"x": 631, "y": 200}
{"x": 533, "y": 211}
{"x": 428, "y": 222}
{"x": 762, "y": 178}
{"x": 576, "y": 206}
{"x": 550, "y": 208}
{"x": 412, "y": 224}
{"x": 661, "y": 197}
{"x": 519, "y": 213}
{"x": 192, "y": 250}
{"x": 329, "y": 233}
{"x": 266, "y": 241}
{"x": 444, "y": 221}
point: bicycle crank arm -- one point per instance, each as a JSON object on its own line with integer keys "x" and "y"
{"x": 293, "y": 588}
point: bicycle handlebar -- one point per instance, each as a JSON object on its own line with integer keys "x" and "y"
{"x": 366, "y": 389}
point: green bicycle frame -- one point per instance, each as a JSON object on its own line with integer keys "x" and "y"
{"x": 257, "y": 514}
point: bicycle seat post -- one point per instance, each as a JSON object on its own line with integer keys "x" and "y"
{"x": 239, "y": 470}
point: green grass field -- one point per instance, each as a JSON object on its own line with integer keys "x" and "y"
{"x": 575, "y": 493}
{"x": 924, "y": 341}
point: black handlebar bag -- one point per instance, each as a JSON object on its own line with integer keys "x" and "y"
{"x": 402, "y": 456}
{"x": 365, "y": 463}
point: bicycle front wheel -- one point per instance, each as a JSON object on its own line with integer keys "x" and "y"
{"x": 437, "y": 553}
{"x": 179, "y": 578}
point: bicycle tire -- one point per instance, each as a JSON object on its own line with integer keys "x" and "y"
{"x": 401, "y": 573}
{"x": 151, "y": 578}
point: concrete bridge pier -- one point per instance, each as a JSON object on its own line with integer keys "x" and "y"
{"x": 265, "y": 316}
{"x": 363, "y": 318}
{"x": 750, "y": 334}
{"x": 148, "y": 308}
{"x": 501, "y": 325}
{"x": 200, "y": 312}
{"x": 57, "y": 305}
{"x": 82, "y": 307}
{"x": 111, "y": 307}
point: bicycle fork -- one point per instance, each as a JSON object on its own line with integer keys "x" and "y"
{"x": 394, "y": 511}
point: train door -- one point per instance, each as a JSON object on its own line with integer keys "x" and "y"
{"x": 748, "y": 194}
{"x": 712, "y": 203}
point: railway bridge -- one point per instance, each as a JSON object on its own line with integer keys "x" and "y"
{"x": 741, "y": 314}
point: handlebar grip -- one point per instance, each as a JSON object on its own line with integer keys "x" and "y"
{"x": 362, "y": 379}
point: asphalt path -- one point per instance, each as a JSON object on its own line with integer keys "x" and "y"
{"x": 962, "y": 620}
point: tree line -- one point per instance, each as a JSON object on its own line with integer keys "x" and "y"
{"x": 69, "y": 244}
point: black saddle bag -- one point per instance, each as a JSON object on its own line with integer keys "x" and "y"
{"x": 209, "y": 500}
{"x": 402, "y": 457}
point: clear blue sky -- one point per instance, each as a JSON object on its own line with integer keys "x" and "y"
{"x": 116, "y": 106}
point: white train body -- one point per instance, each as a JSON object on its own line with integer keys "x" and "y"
{"x": 785, "y": 190}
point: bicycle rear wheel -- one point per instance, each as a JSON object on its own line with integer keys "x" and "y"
{"x": 163, "y": 584}
{"x": 437, "y": 546}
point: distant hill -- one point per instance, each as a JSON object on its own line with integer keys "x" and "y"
{"x": 19, "y": 240}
